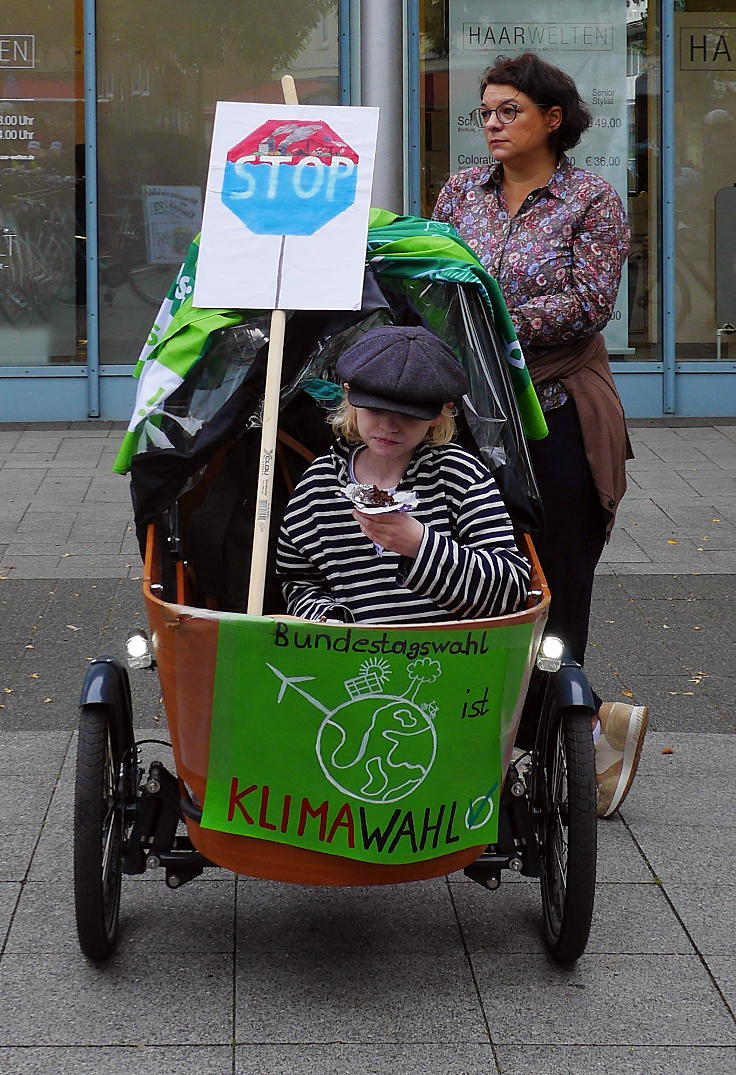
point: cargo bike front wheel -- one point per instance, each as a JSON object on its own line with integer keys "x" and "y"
{"x": 100, "y": 808}
{"x": 566, "y": 816}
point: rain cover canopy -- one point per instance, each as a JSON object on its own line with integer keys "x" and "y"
{"x": 201, "y": 372}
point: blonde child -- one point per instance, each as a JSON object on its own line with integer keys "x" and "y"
{"x": 453, "y": 556}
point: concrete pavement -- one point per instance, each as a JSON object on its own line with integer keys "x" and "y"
{"x": 233, "y": 975}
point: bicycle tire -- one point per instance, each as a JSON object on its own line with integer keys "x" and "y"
{"x": 568, "y": 836}
{"x": 99, "y": 829}
{"x": 17, "y": 295}
{"x": 151, "y": 282}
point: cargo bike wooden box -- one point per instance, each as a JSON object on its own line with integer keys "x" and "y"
{"x": 332, "y": 754}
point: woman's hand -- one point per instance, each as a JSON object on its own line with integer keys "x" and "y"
{"x": 396, "y": 531}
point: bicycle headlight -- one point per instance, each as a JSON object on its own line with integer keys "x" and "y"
{"x": 138, "y": 652}
{"x": 549, "y": 657}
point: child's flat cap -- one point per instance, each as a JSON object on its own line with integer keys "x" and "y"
{"x": 407, "y": 370}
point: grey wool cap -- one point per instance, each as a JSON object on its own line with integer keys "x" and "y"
{"x": 407, "y": 370}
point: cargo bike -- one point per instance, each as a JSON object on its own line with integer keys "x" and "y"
{"x": 323, "y": 753}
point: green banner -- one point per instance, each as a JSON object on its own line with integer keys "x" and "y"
{"x": 377, "y": 745}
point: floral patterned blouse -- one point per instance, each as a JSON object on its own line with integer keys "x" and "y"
{"x": 558, "y": 261}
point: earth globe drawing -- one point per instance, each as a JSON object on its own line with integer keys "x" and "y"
{"x": 377, "y": 748}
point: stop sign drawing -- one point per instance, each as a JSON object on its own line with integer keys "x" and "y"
{"x": 290, "y": 177}
{"x": 286, "y": 207}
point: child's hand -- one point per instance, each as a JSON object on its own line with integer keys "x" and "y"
{"x": 396, "y": 531}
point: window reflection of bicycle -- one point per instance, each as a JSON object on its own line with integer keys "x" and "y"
{"x": 690, "y": 276}
{"x": 17, "y": 299}
{"x": 123, "y": 258}
{"x": 688, "y": 269}
{"x": 36, "y": 245}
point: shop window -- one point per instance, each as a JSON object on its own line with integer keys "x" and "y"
{"x": 176, "y": 61}
{"x": 42, "y": 315}
{"x": 611, "y": 49}
{"x": 705, "y": 174}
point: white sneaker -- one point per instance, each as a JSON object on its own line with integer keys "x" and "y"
{"x": 617, "y": 752}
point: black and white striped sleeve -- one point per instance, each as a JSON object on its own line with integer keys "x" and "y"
{"x": 305, "y": 591}
{"x": 481, "y": 573}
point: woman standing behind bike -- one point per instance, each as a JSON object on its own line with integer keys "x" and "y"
{"x": 556, "y": 238}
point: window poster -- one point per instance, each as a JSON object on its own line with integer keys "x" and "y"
{"x": 587, "y": 39}
{"x": 173, "y": 217}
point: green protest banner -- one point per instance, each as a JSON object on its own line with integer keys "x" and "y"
{"x": 380, "y": 745}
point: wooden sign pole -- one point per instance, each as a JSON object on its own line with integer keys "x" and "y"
{"x": 264, "y": 493}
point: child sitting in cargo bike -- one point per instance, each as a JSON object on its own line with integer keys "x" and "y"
{"x": 397, "y": 524}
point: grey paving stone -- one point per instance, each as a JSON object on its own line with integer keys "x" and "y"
{"x": 131, "y": 1060}
{"x": 647, "y": 1000}
{"x": 644, "y": 586}
{"x": 724, "y": 971}
{"x": 153, "y": 918}
{"x": 348, "y": 1059}
{"x": 720, "y": 541}
{"x": 709, "y": 796}
{"x": 715, "y": 563}
{"x": 676, "y": 704}
{"x": 39, "y": 440}
{"x": 686, "y": 854}
{"x": 290, "y": 997}
{"x": 614, "y": 1060}
{"x": 21, "y": 603}
{"x": 722, "y": 692}
{"x": 54, "y": 521}
{"x": 381, "y": 918}
{"x": 707, "y": 912}
{"x": 696, "y": 515}
{"x": 71, "y": 483}
{"x": 693, "y": 754}
{"x": 623, "y": 548}
{"x": 30, "y": 767}
{"x": 30, "y": 567}
{"x": 657, "y": 548}
{"x": 642, "y": 453}
{"x": 619, "y": 859}
{"x": 628, "y": 918}
{"x": 17, "y": 482}
{"x": 110, "y": 489}
{"x": 9, "y": 893}
{"x": 678, "y": 452}
{"x": 49, "y": 701}
{"x": 34, "y": 460}
{"x": 68, "y": 548}
{"x": 710, "y": 487}
{"x": 96, "y": 567}
{"x": 120, "y": 1003}
{"x": 668, "y": 484}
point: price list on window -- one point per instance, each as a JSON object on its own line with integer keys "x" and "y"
{"x": 587, "y": 39}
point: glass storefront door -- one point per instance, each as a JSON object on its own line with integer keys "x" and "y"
{"x": 42, "y": 312}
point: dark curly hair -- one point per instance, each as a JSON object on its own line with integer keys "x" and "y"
{"x": 546, "y": 85}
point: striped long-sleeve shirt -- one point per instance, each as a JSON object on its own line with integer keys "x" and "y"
{"x": 467, "y": 567}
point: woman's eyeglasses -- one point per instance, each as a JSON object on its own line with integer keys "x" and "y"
{"x": 505, "y": 114}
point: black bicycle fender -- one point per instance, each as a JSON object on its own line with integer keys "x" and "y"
{"x": 106, "y": 683}
{"x": 571, "y": 687}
